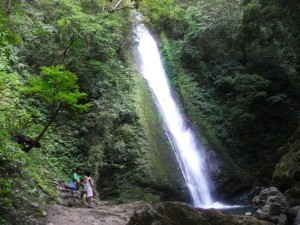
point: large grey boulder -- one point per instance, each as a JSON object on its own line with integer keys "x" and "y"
{"x": 271, "y": 205}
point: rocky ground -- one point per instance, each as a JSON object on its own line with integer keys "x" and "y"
{"x": 102, "y": 214}
{"x": 271, "y": 208}
{"x": 71, "y": 210}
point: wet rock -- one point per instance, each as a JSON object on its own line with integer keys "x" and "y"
{"x": 293, "y": 195}
{"x": 175, "y": 213}
{"x": 297, "y": 219}
{"x": 293, "y": 215}
{"x": 229, "y": 181}
{"x": 292, "y": 212}
{"x": 281, "y": 219}
{"x": 271, "y": 206}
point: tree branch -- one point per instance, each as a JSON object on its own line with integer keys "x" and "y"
{"x": 38, "y": 138}
{"x": 73, "y": 38}
{"x": 117, "y": 4}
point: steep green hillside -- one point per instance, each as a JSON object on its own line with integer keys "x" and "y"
{"x": 70, "y": 97}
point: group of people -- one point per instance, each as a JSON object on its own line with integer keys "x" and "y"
{"x": 87, "y": 183}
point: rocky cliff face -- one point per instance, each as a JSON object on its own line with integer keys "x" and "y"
{"x": 164, "y": 168}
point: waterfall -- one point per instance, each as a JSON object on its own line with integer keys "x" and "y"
{"x": 189, "y": 153}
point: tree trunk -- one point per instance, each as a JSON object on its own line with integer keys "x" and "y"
{"x": 244, "y": 53}
{"x": 39, "y": 137}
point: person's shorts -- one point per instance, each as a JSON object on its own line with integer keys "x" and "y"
{"x": 89, "y": 192}
{"x": 73, "y": 185}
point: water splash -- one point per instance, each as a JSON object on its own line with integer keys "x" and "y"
{"x": 189, "y": 153}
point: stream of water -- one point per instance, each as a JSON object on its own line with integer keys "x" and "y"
{"x": 188, "y": 150}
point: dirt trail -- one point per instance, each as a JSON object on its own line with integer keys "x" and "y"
{"x": 102, "y": 214}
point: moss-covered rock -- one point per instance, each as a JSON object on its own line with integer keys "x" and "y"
{"x": 293, "y": 195}
{"x": 287, "y": 172}
{"x": 174, "y": 213}
{"x": 165, "y": 177}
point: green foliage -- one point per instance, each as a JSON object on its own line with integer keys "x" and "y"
{"x": 227, "y": 63}
{"x": 168, "y": 61}
{"x": 57, "y": 86}
{"x": 107, "y": 139}
{"x": 92, "y": 40}
{"x": 22, "y": 176}
{"x": 156, "y": 9}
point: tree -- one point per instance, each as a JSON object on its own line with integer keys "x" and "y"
{"x": 155, "y": 9}
{"x": 57, "y": 87}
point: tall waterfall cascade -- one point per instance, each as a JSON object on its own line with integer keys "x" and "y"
{"x": 189, "y": 152}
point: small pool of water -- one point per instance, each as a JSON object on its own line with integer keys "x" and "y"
{"x": 239, "y": 210}
{"x": 233, "y": 209}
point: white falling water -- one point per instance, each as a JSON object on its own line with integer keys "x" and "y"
{"x": 189, "y": 154}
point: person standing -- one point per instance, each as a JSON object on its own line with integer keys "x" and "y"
{"x": 89, "y": 188}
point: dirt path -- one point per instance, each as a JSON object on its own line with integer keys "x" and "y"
{"x": 102, "y": 214}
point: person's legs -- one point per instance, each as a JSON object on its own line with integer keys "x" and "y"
{"x": 89, "y": 196}
{"x": 89, "y": 201}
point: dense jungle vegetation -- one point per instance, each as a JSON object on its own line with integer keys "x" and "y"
{"x": 70, "y": 95}
{"x": 69, "y": 99}
{"x": 236, "y": 66}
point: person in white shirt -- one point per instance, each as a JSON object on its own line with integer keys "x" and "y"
{"x": 89, "y": 188}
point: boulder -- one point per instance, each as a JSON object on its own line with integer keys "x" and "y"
{"x": 175, "y": 213}
{"x": 231, "y": 183}
{"x": 294, "y": 215}
{"x": 297, "y": 219}
{"x": 286, "y": 176}
{"x": 287, "y": 171}
{"x": 68, "y": 197}
{"x": 271, "y": 205}
{"x": 293, "y": 195}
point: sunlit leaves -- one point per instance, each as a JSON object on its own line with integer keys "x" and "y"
{"x": 57, "y": 86}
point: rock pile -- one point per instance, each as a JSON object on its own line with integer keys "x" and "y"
{"x": 271, "y": 205}
{"x": 68, "y": 197}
